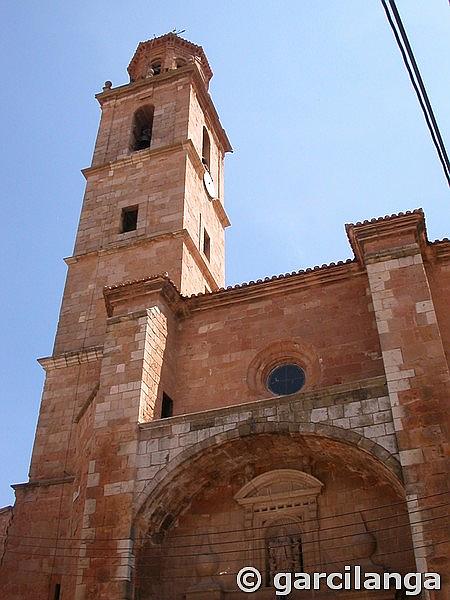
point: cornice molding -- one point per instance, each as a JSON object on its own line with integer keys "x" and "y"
{"x": 136, "y": 157}
{"x": 274, "y": 286}
{"x": 69, "y": 359}
{"x": 364, "y": 236}
{"x": 131, "y": 88}
{"x": 270, "y": 286}
{"x": 183, "y": 233}
{"x": 155, "y": 285}
{"x": 44, "y": 482}
{"x": 209, "y": 110}
{"x": 441, "y": 249}
{"x": 117, "y": 246}
{"x": 372, "y": 383}
{"x": 183, "y": 306}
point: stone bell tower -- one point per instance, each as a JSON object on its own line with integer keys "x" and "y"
{"x": 154, "y": 193}
{"x": 153, "y": 206}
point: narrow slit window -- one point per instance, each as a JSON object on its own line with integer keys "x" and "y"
{"x": 129, "y": 219}
{"x": 166, "y": 407}
{"x": 206, "y": 149}
{"x": 206, "y": 244}
{"x": 57, "y": 594}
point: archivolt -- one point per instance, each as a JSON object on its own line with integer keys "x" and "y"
{"x": 173, "y": 488}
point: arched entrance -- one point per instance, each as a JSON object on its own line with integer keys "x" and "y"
{"x": 269, "y": 501}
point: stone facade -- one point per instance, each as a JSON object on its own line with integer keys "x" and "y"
{"x": 351, "y": 469}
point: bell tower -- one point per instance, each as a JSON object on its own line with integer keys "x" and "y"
{"x": 154, "y": 195}
{"x": 152, "y": 211}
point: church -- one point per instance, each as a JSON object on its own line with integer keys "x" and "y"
{"x": 187, "y": 429}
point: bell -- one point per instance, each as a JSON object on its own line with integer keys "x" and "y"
{"x": 145, "y": 135}
{"x": 144, "y": 139}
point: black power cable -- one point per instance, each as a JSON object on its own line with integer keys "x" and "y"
{"x": 402, "y": 503}
{"x": 18, "y": 567}
{"x": 49, "y": 550}
{"x": 74, "y": 552}
{"x": 401, "y": 38}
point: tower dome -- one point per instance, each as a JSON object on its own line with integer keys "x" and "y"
{"x": 166, "y": 53}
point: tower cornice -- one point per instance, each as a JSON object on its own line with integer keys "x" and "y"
{"x": 182, "y": 233}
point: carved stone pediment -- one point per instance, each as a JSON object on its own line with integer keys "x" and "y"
{"x": 278, "y": 490}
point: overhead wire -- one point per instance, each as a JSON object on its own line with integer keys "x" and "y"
{"x": 409, "y": 60}
{"x": 403, "y": 503}
{"x": 210, "y": 544}
{"x": 199, "y": 576}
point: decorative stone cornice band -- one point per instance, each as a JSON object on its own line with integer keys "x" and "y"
{"x": 139, "y": 157}
{"x": 69, "y": 359}
{"x": 117, "y": 246}
{"x": 159, "y": 285}
{"x": 44, "y": 482}
{"x": 183, "y": 306}
{"x": 181, "y": 233}
{"x": 388, "y": 237}
{"x": 441, "y": 249}
{"x": 375, "y": 385}
{"x": 280, "y": 284}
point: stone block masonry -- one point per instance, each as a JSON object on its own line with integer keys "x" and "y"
{"x": 352, "y": 468}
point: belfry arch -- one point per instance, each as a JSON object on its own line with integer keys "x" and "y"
{"x": 142, "y": 128}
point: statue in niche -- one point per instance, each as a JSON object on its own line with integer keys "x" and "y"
{"x": 284, "y": 554}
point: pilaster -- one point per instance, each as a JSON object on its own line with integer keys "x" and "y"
{"x": 393, "y": 251}
{"x": 130, "y": 383}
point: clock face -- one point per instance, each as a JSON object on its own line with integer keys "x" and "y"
{"x": 209, "y": 185}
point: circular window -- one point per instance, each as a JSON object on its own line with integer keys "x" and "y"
{"x": 286, "y": 379}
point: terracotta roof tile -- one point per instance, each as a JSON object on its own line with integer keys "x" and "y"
{"x": 157, "y": 41}
{"x": 417, "y": 211}
{"x": 253, "y": 283}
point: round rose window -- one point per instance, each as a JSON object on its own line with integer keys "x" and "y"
{"x": 286, "y": 379}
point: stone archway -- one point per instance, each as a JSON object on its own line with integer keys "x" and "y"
{"x": 191, "y": 529}
{"x": 210, "y": 439}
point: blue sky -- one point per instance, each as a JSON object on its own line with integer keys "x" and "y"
{"x": 317, "y": 104}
